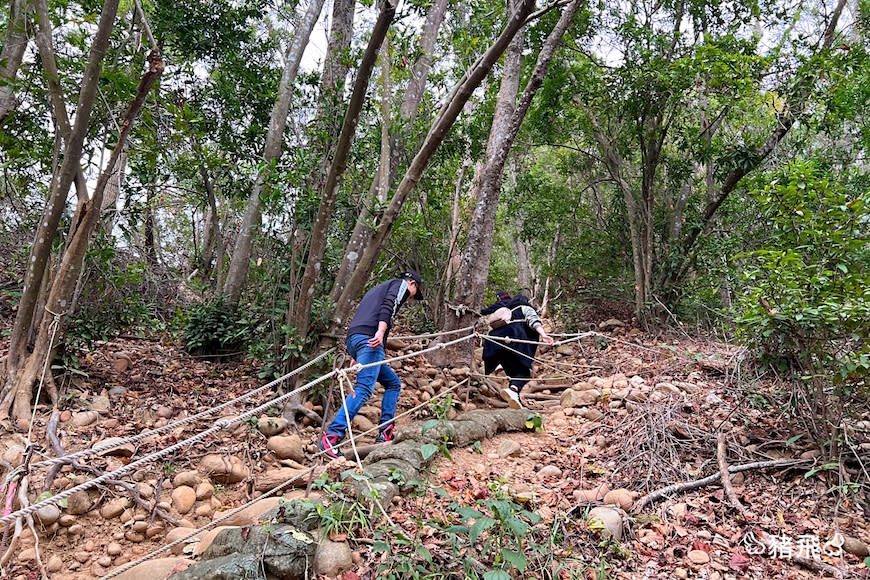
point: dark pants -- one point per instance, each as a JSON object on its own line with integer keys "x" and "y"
{"x": 518, "y": 373}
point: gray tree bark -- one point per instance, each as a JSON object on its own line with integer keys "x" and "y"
{"x": 337, "y": 168}
{"x": 238, "y": 271}
{"x": 66, "y": 278}
{"x": 17, "y": 37}
{"x": 440, "y": 126}
{"x": 45, "y": 232}
{"x": 408, "y": 112}
{"x": 474, "y": 269}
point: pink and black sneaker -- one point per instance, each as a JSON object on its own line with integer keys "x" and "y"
{"x": 385, "y": 435}
{"x": 329, "y": 443}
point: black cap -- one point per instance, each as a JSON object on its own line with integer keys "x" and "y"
{"x": 415, "y": 276}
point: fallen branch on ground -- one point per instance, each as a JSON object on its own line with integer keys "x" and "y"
{"x": 690, "y": 485}
{"x": 721, "y": 450}
{"x": 51, "y": 431}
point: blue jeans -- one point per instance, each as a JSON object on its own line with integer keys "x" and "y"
{"x": 365, "y": 385}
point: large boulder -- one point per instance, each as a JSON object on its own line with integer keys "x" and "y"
{"x": 285, "y": 550}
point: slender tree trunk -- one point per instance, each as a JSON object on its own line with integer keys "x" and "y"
{"x": 109, "y": 211}
{"x": 337, "y": 168}
{"x": 149, "y": 227}
{"x": 17, "y": 37}
{"x": 238, "y": 273}
{"x": 524, "y": 266}
{"x": 41, "y": 249}
{"x": 55, "y": 92}
{"x": 336, "y": 65}
{"x": 551, "y": 258}
{"x": 474, "y": 269}
{"x": 616, "y": 167}
{"x": 64, "y": 282}
{"x": 440, "y": 126}
{"x": 408, "y": 112}
{"x": 211, "y": 231}
{"x": 453, "y": 256}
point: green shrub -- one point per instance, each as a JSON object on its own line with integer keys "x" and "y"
{"x": 214, "y": 327}
{"x": 807, "y": 300}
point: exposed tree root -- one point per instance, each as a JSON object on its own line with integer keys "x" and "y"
{"x": 295, "y": 407}
{"x": 12, "y": 550}
{"x": 51, "y": 431}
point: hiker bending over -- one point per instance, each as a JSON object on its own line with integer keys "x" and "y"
{"x": 366, "y": 339}
{"x": 519, "y": 322}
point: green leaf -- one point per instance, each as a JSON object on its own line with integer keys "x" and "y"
{"x": 382, "y": 547}
{"x": 428, "y": 450}
{"x": 516, "y": 559}
{"x": 424, "y": 553}
{"x": 479, "y": 527}
{"x": 496, "y": 575}
{"x": 428, "y": 425}
{"x": 469, "y": 513}
{"x": 518, "y": 526}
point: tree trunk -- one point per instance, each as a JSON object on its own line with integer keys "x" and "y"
{"x": 238, "y": 272}
{"x": 616, "y": 168}
{"x": 108, "y": 211}
{"x": 64, "y": 282}
{"x": 408, "y": 111}
{"x": 474, "y": 269}
{"x": 453, "y": 257}
{"x": 55, "y": 92}
{"x": 335, "y": 68}
{"x": 524, "y": 266}
{"x": 449, "y": 112}
{"x": 41, "y": 249}
{"x": 17, "y": 37}
{"x": 149, "y": 227}
{"x": 337, "y": 168}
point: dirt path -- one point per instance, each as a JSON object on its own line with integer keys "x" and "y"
{"x": 652, "y": 422}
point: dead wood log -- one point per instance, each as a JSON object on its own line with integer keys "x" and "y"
{"x": 698, "y": 483}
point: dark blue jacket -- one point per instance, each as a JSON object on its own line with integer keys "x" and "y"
{"x": 379, "y": 304}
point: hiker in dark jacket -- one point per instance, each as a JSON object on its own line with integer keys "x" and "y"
{"x": 366, "y": 339}
{"x": 516, "y": 358}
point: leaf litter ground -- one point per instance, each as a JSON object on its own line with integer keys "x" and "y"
{"x": 638, "y": 446}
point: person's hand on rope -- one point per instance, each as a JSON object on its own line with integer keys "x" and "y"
{"x": 545, "y": 338}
